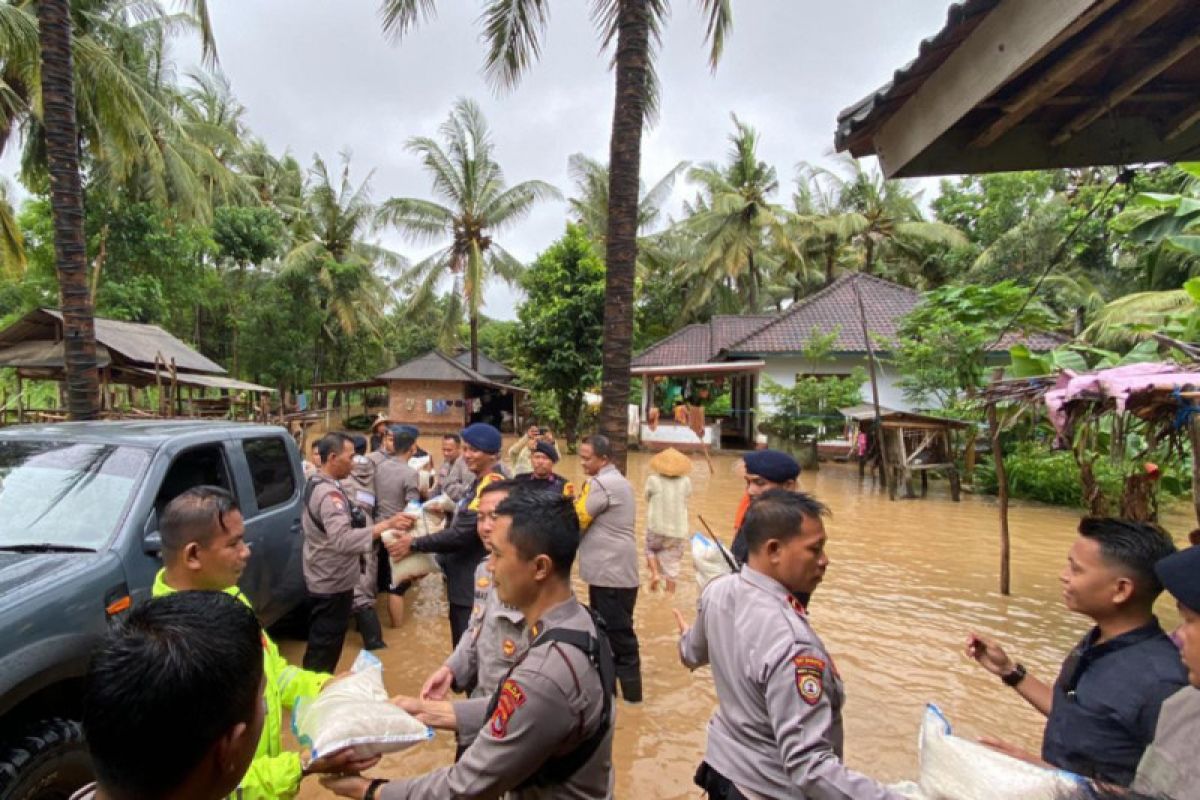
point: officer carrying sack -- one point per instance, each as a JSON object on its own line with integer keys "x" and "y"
{"x": 557, "y": 770}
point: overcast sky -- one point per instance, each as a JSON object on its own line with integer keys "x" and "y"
{"x": 319, "y": 76}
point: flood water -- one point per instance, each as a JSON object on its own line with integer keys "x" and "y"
{"x": 907, "y": 581}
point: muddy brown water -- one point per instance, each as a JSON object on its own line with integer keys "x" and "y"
{"x": 907, "y": 581}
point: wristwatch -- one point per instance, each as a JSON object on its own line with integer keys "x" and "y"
{"x": 1011, "y": 678}
{"x": 372, "y": 788}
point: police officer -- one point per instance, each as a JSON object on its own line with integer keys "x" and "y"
{"x": 496, "y": 636}
{"x": 360, "y": 488}
{"x": 453, "y": 476}
{"x": 396, "y": 485}
{"x": 1171, "y": 765}
{"x": 542, "y": 461}
{"x": 547, "y": 731}
{"x": 608, "y": 556}
{"x": 778, "y": 729}
{"x": 765, "y": 470}
{"x": 335, "y": 546}
{"x": 459, "y": 544}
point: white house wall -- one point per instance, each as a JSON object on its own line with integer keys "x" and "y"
{"x": 783, "y": 370}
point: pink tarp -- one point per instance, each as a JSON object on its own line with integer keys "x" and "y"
{"x": 1117, "y": 384}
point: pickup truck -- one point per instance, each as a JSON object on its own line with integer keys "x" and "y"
{"x": 79, "y": 545}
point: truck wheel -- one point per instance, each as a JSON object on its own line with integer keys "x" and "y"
{"x": 48, "y": 762}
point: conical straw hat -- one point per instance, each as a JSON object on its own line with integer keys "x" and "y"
{"x": 671, "y": 463}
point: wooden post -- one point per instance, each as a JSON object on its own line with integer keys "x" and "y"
{"x": 1002, "y": 495}
{"x": 862, "y": 319}
{"x": 1194, "y": 432}
{"x": 20, "y": 398}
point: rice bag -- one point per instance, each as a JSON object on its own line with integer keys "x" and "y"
{"x": 415, "y": 565}
{"x": 710, "y": 559}
{"x": 954, "y": 768}
{"x": 354, "y": 712}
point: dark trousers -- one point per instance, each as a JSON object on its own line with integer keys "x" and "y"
{"x": 327, "y": 625}
{"x": 460, "y": 620}
{"x": 716, "y": 785}
{"x": 615, "y": 607}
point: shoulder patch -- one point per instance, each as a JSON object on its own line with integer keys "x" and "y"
{"x": 810, "y": 678}
{"x": 512, "y": 697}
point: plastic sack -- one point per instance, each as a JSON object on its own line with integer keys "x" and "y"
{"x": 354, "y": 712}
{"x": 953, "y": 768}
{"x": 414, "y": 565}
{"x": 710, "y": 559}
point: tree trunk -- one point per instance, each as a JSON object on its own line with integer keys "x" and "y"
{"x": 625, "y": 163}
{"x": 753, "y": 281}
{"x": 475, "y": 340}
{"x": 830, "y": 252}
{"x": 869, "y": 257}
{"x": 66, "y": 205}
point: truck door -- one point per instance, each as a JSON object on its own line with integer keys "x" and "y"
{"x": 270, "y": 495}
{"x": 203, "y": 465}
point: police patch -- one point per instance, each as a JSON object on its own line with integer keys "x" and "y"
{"x": 810, "y": 678}
{"x": 512, "y": 697}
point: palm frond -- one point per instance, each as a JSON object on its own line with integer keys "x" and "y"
{"x": 401, "y": 16}
{"x": 513, "y": 31}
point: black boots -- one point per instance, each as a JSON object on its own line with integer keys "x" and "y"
{"x": 368, "y": 625}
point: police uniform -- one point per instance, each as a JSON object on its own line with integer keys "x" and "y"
{"x": 1171, "y": 765}
{"x": 778, "y": 729}
{"x": 491, "y": 646}
{"x": 552, "y": 705}
{"x": 608, "y": 564}
{"x": 359, "y": 486}
{"x": 333, "y": 554}
{"x": 461, "y": 551}
{"x": 453, "y": 479}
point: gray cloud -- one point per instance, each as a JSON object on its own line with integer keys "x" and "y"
{"x": 318, "y": 76}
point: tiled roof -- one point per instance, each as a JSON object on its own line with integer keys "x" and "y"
{"x": 488, "y": 367}
{"x": 701, "y": 342}
{"x": 834, "y": 308}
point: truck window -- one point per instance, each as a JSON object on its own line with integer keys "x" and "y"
{"x": 201, "y": 466}
{"x": 270, "y": 471}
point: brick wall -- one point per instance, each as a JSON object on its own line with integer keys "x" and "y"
{"x": 407, "y": 404}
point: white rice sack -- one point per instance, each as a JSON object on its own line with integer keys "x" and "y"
{"x": 953, "y": 768}
{"x": 710, "y": 559}
{"x": 354, "y": 712}
{"x": 414, "y": 565}
{"x": 439, "y": 505}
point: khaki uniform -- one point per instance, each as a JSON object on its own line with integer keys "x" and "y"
{"x": 333, "y": 556}
{"x": 396, "y": 483}
{"x": 608, "y": 548}
{"x": 521, "y": 456}
{"x": 778, "y": 729}
{"x": 1170, "y": 767}
{"x": 551, "y": 703}
{"x": 360, "y": 487}
{"x": 453, "y": 479}
{"x": 491, "y": 646}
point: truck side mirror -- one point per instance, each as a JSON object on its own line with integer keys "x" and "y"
{"x": 151, "y": 538}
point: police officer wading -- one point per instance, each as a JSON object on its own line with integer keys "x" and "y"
{"x": 608, "y": 556}
{"x": 778, "y": 729}
{"x": 547, "y": 731}
{"x": 336, "y": 542}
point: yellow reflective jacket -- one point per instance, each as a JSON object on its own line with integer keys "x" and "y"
{"x": 275, "y": 772}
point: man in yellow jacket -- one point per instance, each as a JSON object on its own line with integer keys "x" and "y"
{"x": 204, "y": 549}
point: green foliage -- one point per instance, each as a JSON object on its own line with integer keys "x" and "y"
{"x": 247, "y": 235}
{"x": 942, "y": 343}
{"x": 562, "y": 325}
{"x": 802, "y": 411}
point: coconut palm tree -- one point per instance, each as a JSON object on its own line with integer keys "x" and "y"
{"x": 736, "y": 223}
{"x": 348, "y": 277}
{"x": 478, "y": 206}
{"x": 513, "y": 32}
{"x": 59, "y": 131}
{"x": 590, "y": 203}
{"x": 879, "y": 220}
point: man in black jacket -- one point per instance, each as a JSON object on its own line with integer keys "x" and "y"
{"x": 459, "y": 544}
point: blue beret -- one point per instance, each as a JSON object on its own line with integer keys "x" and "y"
{"x": 407, "y": 430}
{"x": 482, "y": 436}
{"x": 1180, "y": 574}
{"x": 546, "y": 449}
{"x": 773, "y": 465}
